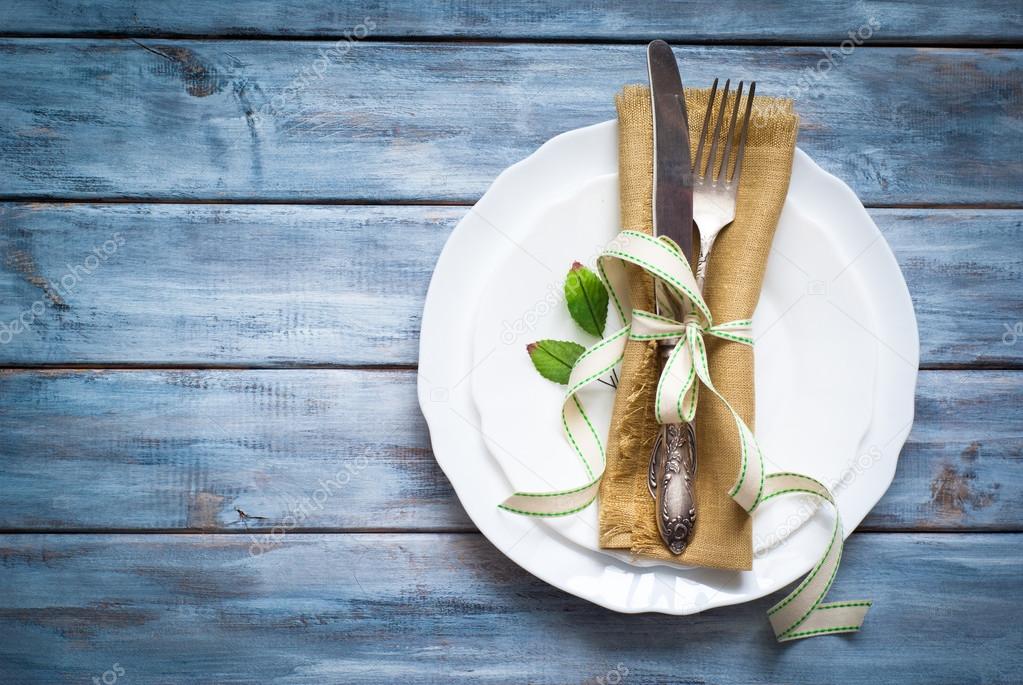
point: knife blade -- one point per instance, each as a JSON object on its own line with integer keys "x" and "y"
{"x": 673, "y": 174}
{"x": 672, "y": 467}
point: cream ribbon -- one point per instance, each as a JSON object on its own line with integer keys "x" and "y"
{"x": 802, "y": 613}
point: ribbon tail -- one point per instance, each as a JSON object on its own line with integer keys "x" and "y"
{"x": 580, "y": 433}
{"x": 803, "y": 612}
{"x": 829, "y": 619}
{"x": 552, "y": 504}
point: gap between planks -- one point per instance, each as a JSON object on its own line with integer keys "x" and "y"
{"x": 811, "y": 42}
{"x": 355, "y": 530}
{"x": 382, "y": 368}
{"x": 418, "y": 531}
{"x": 393, "y": 202}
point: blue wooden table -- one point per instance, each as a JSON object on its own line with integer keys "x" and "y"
{"x": 217, "y": 226}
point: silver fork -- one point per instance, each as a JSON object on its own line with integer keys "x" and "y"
{"x": 714, "y": 195}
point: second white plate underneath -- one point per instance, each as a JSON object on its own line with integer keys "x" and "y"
{"x": 499, "y": 222}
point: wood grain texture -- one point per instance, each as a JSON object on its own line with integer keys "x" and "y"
{"x": 215, "y": 284}
{"x": 259, "y": 120}
{"x": 962, "y": 465}
{"x": 343, "y": 450}
{"x": 450, "y": 608}
{"x": 964, "y": 270}
{"x": 219, "y": 450}
{"x": 344, "y": 285}
{"x": 992, "y": 21}
{"x": 232, "y": 524}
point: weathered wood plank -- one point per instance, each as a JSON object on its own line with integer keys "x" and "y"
{"x": 962, "y": 465}
{"x": 261, "y": 120}
{"x": 341, "y": 285}
{"x": 342, "y": 450}
{"x": 450, "y": 608}
{"x": 301, "y": 449}
{"x": 215, "y": 284}
{"x": 964, "y": 270}
{"x": 771, "y": 21}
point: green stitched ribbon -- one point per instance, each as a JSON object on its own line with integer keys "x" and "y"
{"x": 803, "y": 612}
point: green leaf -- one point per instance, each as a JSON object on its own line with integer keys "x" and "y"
{"x": 586, "y": 297}
{"x": 554, "y": 358}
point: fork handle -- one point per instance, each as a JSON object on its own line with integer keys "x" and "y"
{"x": 701, "y": 264}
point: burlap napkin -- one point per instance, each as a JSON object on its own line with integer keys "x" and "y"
{"x": 723, "y": 534}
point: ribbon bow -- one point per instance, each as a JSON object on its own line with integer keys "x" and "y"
{"x": 802, "y": 613}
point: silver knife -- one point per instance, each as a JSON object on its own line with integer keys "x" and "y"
{"x": 673, "y": 459}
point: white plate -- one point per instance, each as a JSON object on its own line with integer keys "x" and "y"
{"x": 805, "y": 349}
{"x": 500, "y": 223}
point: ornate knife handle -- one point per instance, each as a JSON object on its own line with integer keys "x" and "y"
{"x": 671, "y": 476}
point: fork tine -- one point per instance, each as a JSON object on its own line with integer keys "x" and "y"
{"x": 731, "y": 134}
{"x": 703, "y": 129}
{"x": 745, "y": 130}
{"x": 717, "y": 131}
